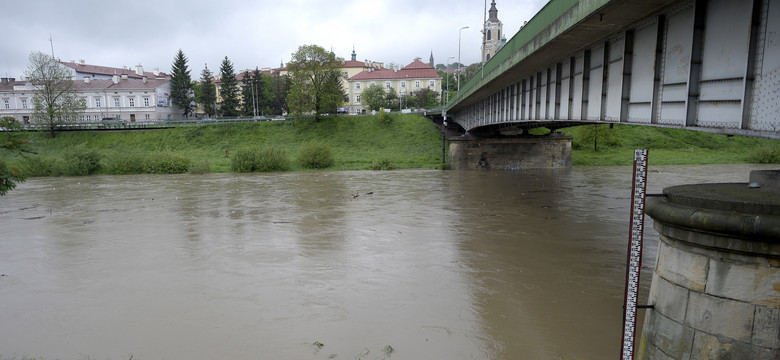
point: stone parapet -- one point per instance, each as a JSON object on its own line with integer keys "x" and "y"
{"x": 716, "y": 287}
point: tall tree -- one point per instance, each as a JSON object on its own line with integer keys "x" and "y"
{"x": 228, "y": 91}
{"x": 206, "y": 95}
{"x": 181, "y": 84}
{"x": 55, "y": 99}
{"x": 316, "y": 81}
{"x": 375, "y": 97}
{"x": 281, "y": 88}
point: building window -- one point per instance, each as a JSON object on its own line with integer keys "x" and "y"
{"x": 357, "y": 99}
{"x": 431, "y": 83}
{"x": 132, "y": 101}
{"x": 146, "y": 101}
{"x": 6, "y": 103}
{"x": 403, "y": 84}
{"x": 97, "y": 102}
{"x": 488, "y": 35}
{"x": 487, "y": 58}
{"x": 357, "y": 86}
{"x": 116, "y": 102}
{"x": 346, "y": 74}
{"x": 148, "y": 117}
{"x": 373, "y": 83}
{"x": 24, "y": 103}
{"x": 387, "y": 84}
{"x": 417, "y": 84}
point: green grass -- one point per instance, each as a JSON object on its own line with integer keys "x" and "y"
{"x": 669, "y": 147}
{"x": 356, "y": 142}
{"x": 399, "y": 141}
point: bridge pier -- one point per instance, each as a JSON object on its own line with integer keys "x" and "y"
{"x": 511, "y": 153}
{"x": 716, "y": 286}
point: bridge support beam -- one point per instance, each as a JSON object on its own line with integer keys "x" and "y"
{"x": 716, "y": 286}
{"x": 515, "y": 153}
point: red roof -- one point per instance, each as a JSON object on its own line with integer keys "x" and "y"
{"x": 416, "y": 70}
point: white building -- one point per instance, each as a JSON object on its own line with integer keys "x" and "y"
{"x": 133, "y": 98}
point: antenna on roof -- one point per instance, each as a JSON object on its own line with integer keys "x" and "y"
{"x": 52, "y": 45}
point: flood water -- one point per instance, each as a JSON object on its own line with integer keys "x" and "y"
{"x": 435, "y": 264}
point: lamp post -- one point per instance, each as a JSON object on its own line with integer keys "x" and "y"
{"x": 459, "y": 32}
{"x": 448, "y": 80}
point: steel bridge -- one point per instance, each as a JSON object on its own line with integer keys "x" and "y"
{"x": 707, "y": 65}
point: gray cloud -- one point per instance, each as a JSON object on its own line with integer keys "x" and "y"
{"x": 250, "y": 34}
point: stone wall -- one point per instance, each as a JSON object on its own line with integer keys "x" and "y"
{"x": 516, "y": 153}
{"x": 716, "y": 287}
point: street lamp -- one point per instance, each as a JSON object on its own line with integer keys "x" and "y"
{"x": 448, "y": 79}
{"x": 459, "y": 32}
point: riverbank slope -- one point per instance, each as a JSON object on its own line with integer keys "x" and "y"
{"x": 357, "y": 143}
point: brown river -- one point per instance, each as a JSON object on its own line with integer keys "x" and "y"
{"x": 410, "y": 264}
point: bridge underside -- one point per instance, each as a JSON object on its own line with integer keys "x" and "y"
{"x": 696, "y": 64}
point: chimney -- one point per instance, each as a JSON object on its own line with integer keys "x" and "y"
{"x": 144, "y": 79}
{"x": 4, "y": 81}
{"x": 115, "y": 79}
{"x": 124, "y": 76}
{"x": 156, "y": 72}
{"x": 139, "y": 70}
{"x": 82, "y": 62}
{"x": 86, "y": 79}
{"x": 124, "y": 67}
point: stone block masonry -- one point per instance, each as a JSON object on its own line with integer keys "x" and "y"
{"x": 716, "y": 286}
{"x": 511, "y": 153}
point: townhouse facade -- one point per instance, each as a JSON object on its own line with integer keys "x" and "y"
{"x": 415, "y": 76}
{"x": 120, "y": 97}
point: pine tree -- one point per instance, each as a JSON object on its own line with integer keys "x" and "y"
{"x": 229, "y": 106}
{"x": 181, "y": 84}
{"x": 207, "y": 96}
{"x": 248, "y": 98}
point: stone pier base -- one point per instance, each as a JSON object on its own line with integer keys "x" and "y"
{"x": 518, "y": 153}
{"x": 716, "y": 286}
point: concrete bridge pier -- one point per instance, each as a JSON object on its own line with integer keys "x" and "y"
{"x": 511, "y": 153}
{"x": 716, "y": 286}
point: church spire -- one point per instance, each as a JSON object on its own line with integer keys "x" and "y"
{"x": 430, "y": 61}
{"x": 493, "y": 12}
{"x": 354, "y": 55}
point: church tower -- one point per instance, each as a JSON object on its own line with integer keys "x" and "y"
{"x": 491, "y": 34}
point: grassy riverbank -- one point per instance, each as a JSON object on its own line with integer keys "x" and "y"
{"x": 667, "y": 146}
{"x": 356, "y": 142}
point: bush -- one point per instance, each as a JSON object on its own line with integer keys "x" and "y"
{"x": 124, "y": 162}
{"x": 202, "y": 167}
{"x": 39, "y": 166}
{"x": 80, "y": 161}
{"x": 255, "y": 159}
{"x": 166, "y": 162}
{"x": 315, "y": 154}
{"x": 766, "y": 154}
{"x": 384, "y": 164}
{"x": 383, "y": 117}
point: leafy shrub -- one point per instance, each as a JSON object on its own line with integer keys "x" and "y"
{"x": 272, "y": 159}
{"x": 39, "y": 166}
{"x": 766, "y": 154}
{"x": 80, "y": 161}
{"x": 384, "y": 164}
{"x": 315, "y": 154}
{"x": 383, "y": 117}
{"x": 166, "y": 162}
{"x": 202, "y": 167}
{"x": 124, "y": 162}
{"x": 255, "y": 159}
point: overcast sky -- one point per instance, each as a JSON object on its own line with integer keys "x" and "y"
{"x": 250, "y": 33}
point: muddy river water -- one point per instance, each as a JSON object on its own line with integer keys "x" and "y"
{"x": 435, "y": 265}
